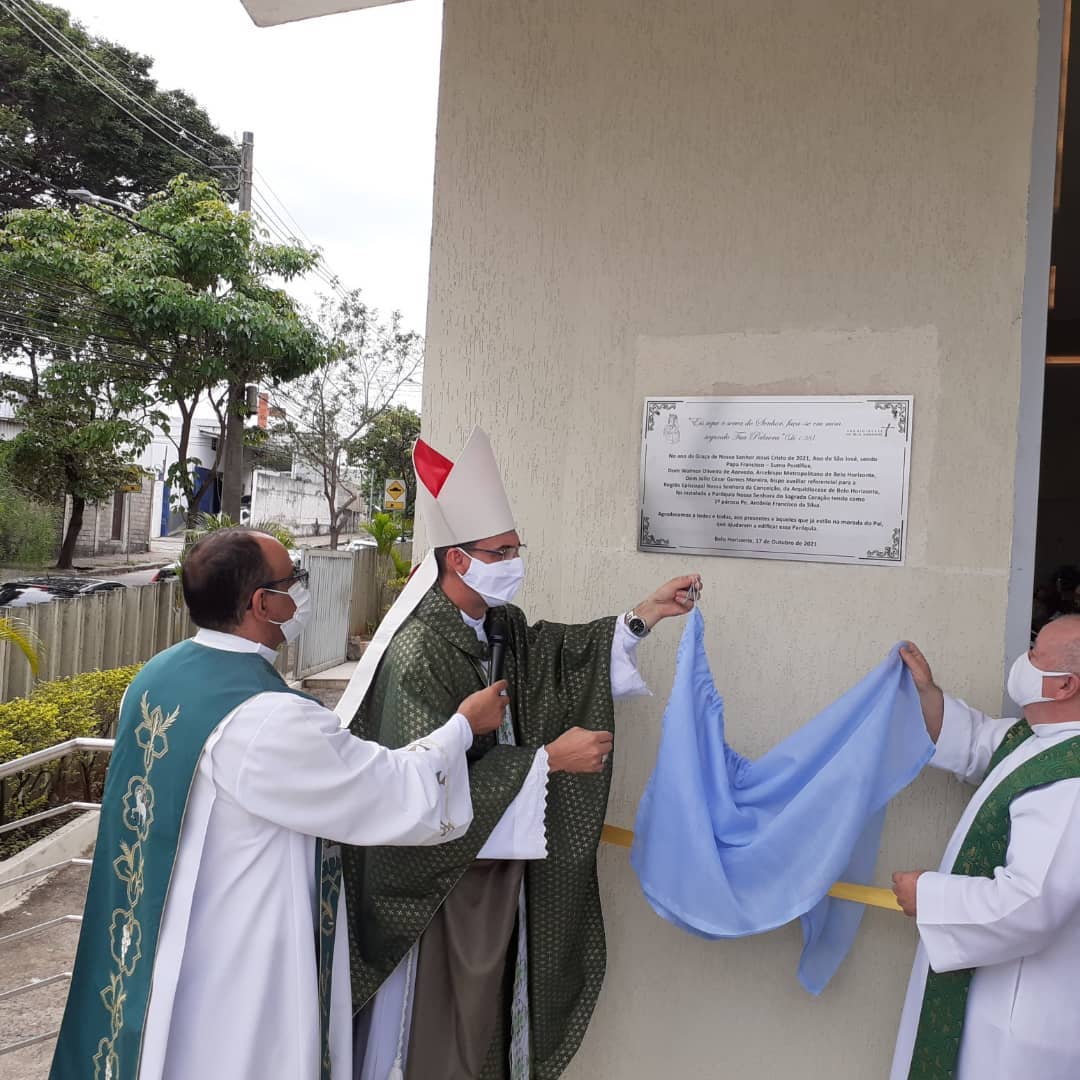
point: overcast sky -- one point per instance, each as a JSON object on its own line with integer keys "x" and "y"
{"x": 343, "y": 112}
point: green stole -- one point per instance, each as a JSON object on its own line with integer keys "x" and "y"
{"x": 941, "y": 1021}
{"x": 171, "y": 708}
{"x": 560, "y": 677}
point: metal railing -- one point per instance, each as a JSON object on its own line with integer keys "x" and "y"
{"x": 10, "y": 768}
{"x": 51, "y": 753}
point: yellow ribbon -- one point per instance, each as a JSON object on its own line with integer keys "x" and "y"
{"x": 842, "y": 890}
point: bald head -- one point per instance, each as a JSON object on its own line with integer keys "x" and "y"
{"x": 222, "y": 571}
{"x": 1057, "y": 648}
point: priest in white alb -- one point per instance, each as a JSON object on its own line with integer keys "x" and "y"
{"x": 992, "y": 994}
{"x": 214, "y": 942}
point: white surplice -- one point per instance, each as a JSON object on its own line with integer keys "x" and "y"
{"x": 1020, "y": 929}
{"x": 234, "y": 990}
{"x": 519, "y": 834}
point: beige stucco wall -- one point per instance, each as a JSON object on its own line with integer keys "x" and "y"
{"x": 724, "y": 197}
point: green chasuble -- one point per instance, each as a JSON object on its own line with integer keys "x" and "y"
{"x": 559, "y": 678}
{"x": 941, "y": 1020}
{"x": 169, "y": 711}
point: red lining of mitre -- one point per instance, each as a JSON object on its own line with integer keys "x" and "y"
{"x": 432, "y": 468}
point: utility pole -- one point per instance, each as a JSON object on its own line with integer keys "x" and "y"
{"x": 232, "y": 469}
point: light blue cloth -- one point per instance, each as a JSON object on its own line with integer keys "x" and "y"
{"x": 725, "y": 846}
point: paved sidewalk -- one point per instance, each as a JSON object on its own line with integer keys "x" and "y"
{"x": 167, "y": 549}
{"x": 163, "y": 550}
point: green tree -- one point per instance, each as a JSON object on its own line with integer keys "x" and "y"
{"x": 84, "y": 112}
{"x": 329, "y": 409}
{"x": 182, "y": 294}
{"x": 395, "y": 569}
{"x": 85, "y": 412}
{"x": 78, "y": 440}
{"x": 384, "y": 451}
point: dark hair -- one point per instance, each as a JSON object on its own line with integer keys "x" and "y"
{"x": 219, "y": 575}
{"x": 440, "y": 559}
{"x": 441, "y": 553}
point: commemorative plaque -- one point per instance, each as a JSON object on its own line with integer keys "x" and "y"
{"x": 809, "y": 478}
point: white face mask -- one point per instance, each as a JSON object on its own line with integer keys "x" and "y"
{"x": 1025, "y": 685}
{"x": 497, "y": 582}
{"x": 292, "y": 627}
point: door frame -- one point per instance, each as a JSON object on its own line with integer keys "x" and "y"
{"x": 1040, "y": 219}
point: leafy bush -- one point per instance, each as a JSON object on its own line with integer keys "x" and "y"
{"x": 83, "y": 706}
{"x": 29, "y": 530}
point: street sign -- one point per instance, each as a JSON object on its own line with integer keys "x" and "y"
{"x": 394, "y": 495}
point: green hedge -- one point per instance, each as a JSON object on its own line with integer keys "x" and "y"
{"x": 84, "y": 706}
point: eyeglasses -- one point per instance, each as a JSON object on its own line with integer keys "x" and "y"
{"x": 298, "y": 577}
{"x": 507, "y": 551}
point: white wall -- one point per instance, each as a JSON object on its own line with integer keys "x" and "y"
{"x": 290, "y": 501}
{"x": 161, "y": 453}
{"x": 741, "y": 197}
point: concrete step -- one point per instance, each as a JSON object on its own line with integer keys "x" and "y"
{"x": 335, "y": 678}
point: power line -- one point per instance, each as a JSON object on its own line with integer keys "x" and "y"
{"x": 82, "y": 338}
{"x": 65, "y": 194}
{"x": 277, "y": 198}
{"x": 275, "y": 231}
{"x": 31, "y": 11}
{"x": 310, "y": 243}
{"x": 63, "y": 300}
{"x": 54, "y": 343}
{"x": 281, "y": 231}
{"x": 101, "y": 90}
{"x": 83, "y": 335}
{"x": 70, "y": 294}
{"x": 22, "y": 10}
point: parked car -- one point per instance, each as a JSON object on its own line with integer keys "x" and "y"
{"x": 42, "y": 590}
{"x": 361, "y": 542}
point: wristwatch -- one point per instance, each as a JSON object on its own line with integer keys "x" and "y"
{"x": 636, "y": 624}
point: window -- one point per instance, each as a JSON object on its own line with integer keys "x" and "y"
{"x": 118, "y": 515}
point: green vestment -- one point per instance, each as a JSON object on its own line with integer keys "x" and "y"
{"x": 560, "y": 677}
{"x": 169, "y": 711}
{"x": 985, "y": 847}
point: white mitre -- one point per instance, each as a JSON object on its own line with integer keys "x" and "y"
{"x": 458, "y": 501}
{"x": 461, "y": 500}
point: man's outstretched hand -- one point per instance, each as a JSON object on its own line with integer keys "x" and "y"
{"x": 931, "y": 696}
{"x": 484, "y": 709}
{"x": 674, "y": 597}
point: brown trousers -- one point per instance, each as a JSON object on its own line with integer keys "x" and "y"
{"x": 461, "y": 972}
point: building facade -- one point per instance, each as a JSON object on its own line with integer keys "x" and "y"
{"x": 752, "y": 197}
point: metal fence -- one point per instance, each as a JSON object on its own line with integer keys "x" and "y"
{"x": 95, "y": 632}
{"x": 324, "y": 642}
{"x": 128, "y": 626}
{"x": 369, "y": 595}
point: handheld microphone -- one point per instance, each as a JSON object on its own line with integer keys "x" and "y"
{"x": 497, "y": 634}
